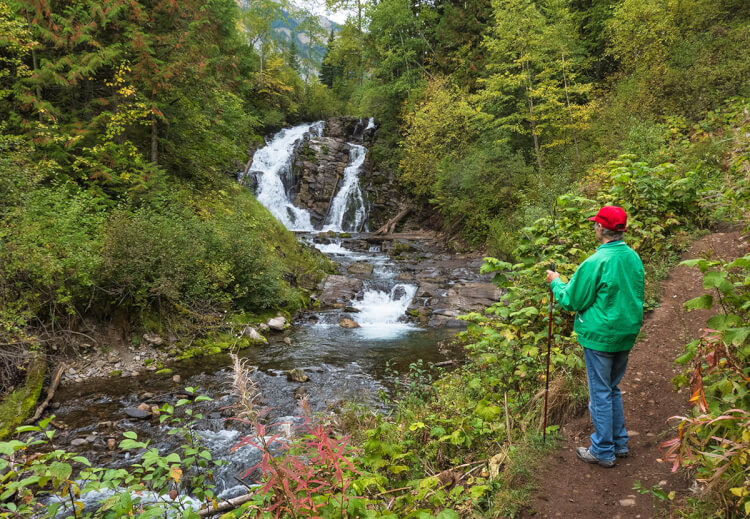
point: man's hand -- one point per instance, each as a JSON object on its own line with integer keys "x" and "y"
{"x": 551, "y": 274}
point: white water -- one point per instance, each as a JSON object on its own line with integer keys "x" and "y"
{"x": 370, "y": 124}
{"x": 380, "y": 312}
{"x": 274, "y": 162}
{"x": 349, "y": 204}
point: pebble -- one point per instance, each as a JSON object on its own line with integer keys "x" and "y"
{"x": 627, "y": 502}
{"x": 662, "y": 482}
{"x": 111, "y": 444}
{"x": 79, "y": 442}
{"x": 176, "y": 379}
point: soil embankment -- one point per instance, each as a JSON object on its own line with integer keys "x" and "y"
{"x": 572, "y": 489}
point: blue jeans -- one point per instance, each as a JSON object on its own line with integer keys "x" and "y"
{"x": 604, "y": 372}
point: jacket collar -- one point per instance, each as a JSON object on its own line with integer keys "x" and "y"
{"x": 611, "y": 244}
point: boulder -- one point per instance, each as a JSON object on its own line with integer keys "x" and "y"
{"x": 254, "y": 336}
{"x": 296, "y": 375}
{"x": 360, "y": 269}
{"x": 277, "y": 323}
{"x": 348, "y": 323}
{"x": 472, "y": 296}
{"x": 134, "y": 412}
{"x": 153, "y": 338}
{"x": 338, "y": 289}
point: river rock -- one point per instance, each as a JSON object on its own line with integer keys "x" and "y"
{"x": 351, "y": 310}
{"x": 111, "y": 444}
{"x": 263, "y": 327}
{"x": 360, "y": 269}
{"x": 176, "y": 379}
{"x": 254, "y": 336}
{"x": 144, "y": 407}
{"x": 348, "y": 323}
{"x": 277, "y": 323}
{"x": 472, "y": 296}
{"x": 153, "y": 338}
{"x": 300, "y": 393}
{"x": 287, "y": 341}
{"x": 337, "y": 289}
{"x": 296, "y": 375}
{"x": 134, "y": 412}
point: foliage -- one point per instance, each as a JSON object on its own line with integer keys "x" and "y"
{"x": 39, "y": 481}
{"x": 715, "y": 440}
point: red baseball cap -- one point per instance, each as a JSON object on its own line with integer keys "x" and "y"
{"x": 611, "y": 217}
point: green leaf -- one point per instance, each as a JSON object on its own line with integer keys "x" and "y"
{"x": 181, "y": 402}
{"x": 203, "y": 398}
{"x": 447, "y": 514}
{"x": 736, "y": 336}
{"x": 130, "y": 434}
{"x": 81, "y": 459}
{"x": 477, "y": 491}
{"x": 60, "y": 471}
{"x": 131, "y": 444}
{"x": 487, "y": 411}
{"x": 718, "y": 280}
{"x": 721, "y": 322}
{"x": 27, "y": 428}
{"x": 705, "y": 301}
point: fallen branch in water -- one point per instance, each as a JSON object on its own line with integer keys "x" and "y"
{"x": 50, "y": 393}
{"x": 229, "y": 504}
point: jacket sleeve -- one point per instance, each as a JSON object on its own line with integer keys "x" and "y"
{"x": 580, "y": 292}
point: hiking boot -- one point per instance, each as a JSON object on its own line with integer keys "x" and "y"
{"x": 585, "y": 455}
{"x": 623, "y": 454}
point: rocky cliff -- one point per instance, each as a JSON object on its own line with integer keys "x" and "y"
{"x": 319, "y": 167}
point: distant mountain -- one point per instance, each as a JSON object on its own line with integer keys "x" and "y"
{"x": 287, "y": 25}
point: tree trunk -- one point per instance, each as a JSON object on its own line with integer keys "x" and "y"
{"x": 570, "y": 113}
{"x": 154, "y": 140}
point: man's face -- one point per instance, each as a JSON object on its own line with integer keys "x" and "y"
{"x": 598, "y": 229}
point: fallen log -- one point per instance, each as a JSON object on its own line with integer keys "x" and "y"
{"x": 390, "y": 225}
{"x": 229, "y": 504}
{"x": 50, "y": 393}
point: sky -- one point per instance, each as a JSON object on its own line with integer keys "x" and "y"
{"x": 319, "y": 7}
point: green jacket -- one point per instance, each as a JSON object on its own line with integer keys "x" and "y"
{"x": 607, "y": 293}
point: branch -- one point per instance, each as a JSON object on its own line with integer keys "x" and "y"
{"x": 229, "y": 504}
{"x": 50, "y": 393}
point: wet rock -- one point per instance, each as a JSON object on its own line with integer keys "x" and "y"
{"x": 147, "y": 395}
{"x": 348, "y": 323}
{"x": 277, "y": 323}
{"x": 78, "y": 442}
{"x": 91, "y": 438}
{"x": 300, "y": 393}
{"x": 351, "y": 310}
{"x": 152, "y": 338}
{"x": 134, "y": 412}
{"x": 253, "y": 334}
{"x": 287, "y": 341}
{"x": 360, "y": 269}
{"x": 338, "y": 289}
{"x": 472, "y": 296}
{"x": 263, "y": 327}
{"x": 296, "y": 375}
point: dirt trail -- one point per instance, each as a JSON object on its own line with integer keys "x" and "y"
{"x": 569, "y": 488}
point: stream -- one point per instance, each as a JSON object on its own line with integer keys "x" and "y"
{"x": 344, "y": 365}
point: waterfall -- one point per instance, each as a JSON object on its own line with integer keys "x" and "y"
{"x": 347, "y": 212}
{"x": 273, "y": 165}
{"x": 370, "y": 124}
{"x": 380, "y": 311}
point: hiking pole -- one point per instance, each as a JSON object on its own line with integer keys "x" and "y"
{"x": 549, "y": 349}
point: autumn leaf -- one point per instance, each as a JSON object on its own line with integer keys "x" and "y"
{"x": 175, "y": 473}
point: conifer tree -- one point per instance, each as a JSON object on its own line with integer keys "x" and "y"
{"x": 328, "y": 71}
{"x": 292, "y": 56}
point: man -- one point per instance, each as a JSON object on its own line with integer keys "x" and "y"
{"x": 606, "y": 292}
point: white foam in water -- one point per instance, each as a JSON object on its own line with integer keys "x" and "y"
{"x": 349, "y": 198}
{"x": 380, "y": 312}
{"x": 274, "y": 161}
{"x": 370, "y": 124}
{"x": 332, "y": 248}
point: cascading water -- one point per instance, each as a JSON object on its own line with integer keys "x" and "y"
{"x": 380, "y": 311}
{"x": 347, "y": 212}
{"x": 273, "y": 165}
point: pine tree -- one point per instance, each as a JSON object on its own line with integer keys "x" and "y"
{"x": 328, "y": 71}
{"x": 292, "y": 56}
